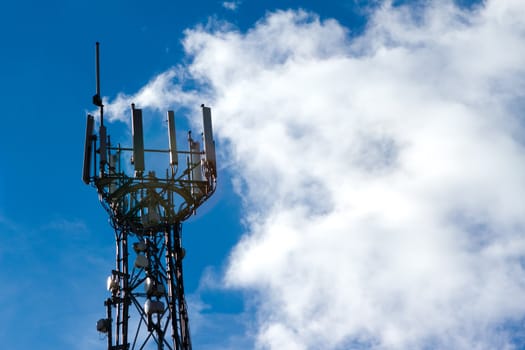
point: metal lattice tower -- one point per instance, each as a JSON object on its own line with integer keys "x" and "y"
{"x": 146, "y": 308}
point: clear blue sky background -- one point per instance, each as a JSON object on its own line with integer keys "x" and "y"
{"x": 56, "y": 244}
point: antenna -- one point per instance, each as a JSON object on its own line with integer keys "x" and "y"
{"x": 86, "y": 169}
{"x": 209, "y": 144}
{"x": 138, "y": 138}
{"x": 97, "y": 101}
{"x": 195, "y": 159}
{"x": 172, "y": 138}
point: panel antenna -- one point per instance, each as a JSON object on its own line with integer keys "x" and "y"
{"x": 138, "y": 139}
{"x": 172, "y": 136}
{"x": 88, "y": 145}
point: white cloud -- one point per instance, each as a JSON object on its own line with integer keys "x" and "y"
{"x": 159, "y": 94}
{"x": 231, "y": 5}
{"x": 382, "y": 175}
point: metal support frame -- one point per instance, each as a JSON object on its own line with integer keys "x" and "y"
{"x": 177, "y": 303}
{"x": 147, "y": 214}
{"x": 164, "y": 253}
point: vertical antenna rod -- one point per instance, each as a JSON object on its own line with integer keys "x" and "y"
{"x": 97, "y": 100}
{"x": 98, "y": 66}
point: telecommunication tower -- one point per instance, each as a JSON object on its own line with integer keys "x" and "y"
{"x": 146, "y": 308}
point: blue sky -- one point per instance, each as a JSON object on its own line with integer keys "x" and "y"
{"x": 371, "y": 168}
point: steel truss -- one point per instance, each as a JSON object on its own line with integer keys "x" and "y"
{"x": 155, "y": 293}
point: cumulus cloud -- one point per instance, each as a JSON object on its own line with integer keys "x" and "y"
{"x": 382, "y": 175}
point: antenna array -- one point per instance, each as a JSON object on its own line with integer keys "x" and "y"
{"x": 146, "y": 211}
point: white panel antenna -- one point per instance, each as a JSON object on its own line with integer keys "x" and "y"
{"x": 195, "y": 149}
{"x": 196, "y": 171}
